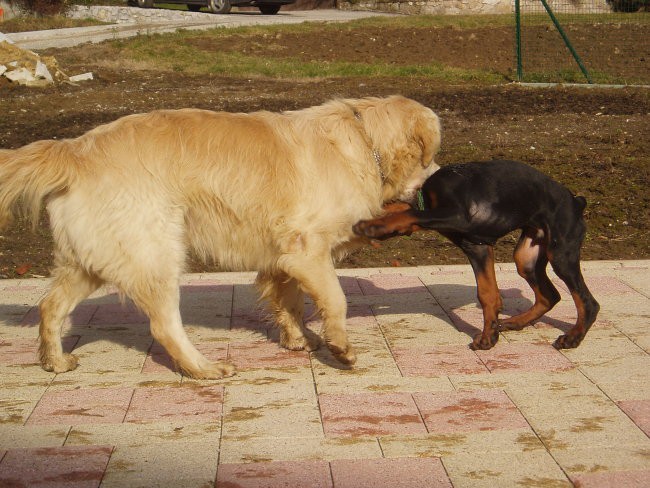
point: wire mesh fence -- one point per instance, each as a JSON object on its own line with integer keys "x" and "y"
{"x": 599, "y": 41}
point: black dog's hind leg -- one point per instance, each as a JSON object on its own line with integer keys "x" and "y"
{"x": 531, "y": 259}
{"x": 565, "y": 260}
{"x": 481, "y": 257}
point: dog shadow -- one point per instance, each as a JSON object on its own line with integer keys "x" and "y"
{"x": 456, "y": 301}
{"x": 211, "y": 307}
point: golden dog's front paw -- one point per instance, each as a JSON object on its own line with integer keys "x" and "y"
{"x": 344, "y": 354}
{"x": 309, "y": 342}
{"x": 59, "y": 364}
{"x": 214, "y": 371}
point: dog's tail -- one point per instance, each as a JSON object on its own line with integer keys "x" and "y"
{"x": 30, "y": 174}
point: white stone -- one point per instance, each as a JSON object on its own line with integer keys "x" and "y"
{"x": 81, "y": 77}
{"x": 21, "y": 75}
{"x": 42, "y": 72}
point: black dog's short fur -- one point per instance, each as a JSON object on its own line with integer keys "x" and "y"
{"x": 473, "y": 205}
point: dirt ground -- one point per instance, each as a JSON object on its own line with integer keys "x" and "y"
{"x": 594, "y": 140}
{"x": 603, "y": 48}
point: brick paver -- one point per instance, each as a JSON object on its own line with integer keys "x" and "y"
{"x": 279, "y": 474}
{"x": 396, "y": 473}
{"x": 419, "y": 409}
{"x": 374, "y": 414}
{"x": 74, "y": 467}
{"x": 464, "y": 411}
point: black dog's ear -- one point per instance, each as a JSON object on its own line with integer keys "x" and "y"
{"x": 580, "y": 203}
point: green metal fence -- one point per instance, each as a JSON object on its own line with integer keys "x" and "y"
{"x": 583, "y": 41}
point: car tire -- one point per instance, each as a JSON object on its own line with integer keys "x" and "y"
{"x": 192, "y": 7}
{"x": 268, "y": 9}
{"x": 145, "y": 3}
{"x": 628, "y": 6}
{"x": 219, "y": 6}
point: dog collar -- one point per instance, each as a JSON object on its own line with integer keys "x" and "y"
{"x": 420, "y": 200}
{"x": 377, "y": 156}
{"x": 375, "y": 152}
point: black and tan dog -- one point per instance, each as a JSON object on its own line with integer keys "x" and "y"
{"x": 475, "y": 204}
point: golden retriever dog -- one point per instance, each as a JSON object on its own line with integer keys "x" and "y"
{"x": 272, "y": 192}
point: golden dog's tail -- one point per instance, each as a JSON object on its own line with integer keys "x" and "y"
{"x": 32, "y": 173}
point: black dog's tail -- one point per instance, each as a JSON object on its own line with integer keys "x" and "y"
{"x": 580, "y": 203}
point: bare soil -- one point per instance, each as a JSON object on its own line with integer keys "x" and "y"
{"x": 594, "y": 140}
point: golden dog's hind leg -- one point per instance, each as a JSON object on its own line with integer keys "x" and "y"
{"x": 286, "y": 300}
{"x": 70, "y": 286}
{"x": 316, "y": 275}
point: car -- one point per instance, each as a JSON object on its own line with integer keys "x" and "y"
{"x": 628, "y": 5}
{"x": 267, "y": 7}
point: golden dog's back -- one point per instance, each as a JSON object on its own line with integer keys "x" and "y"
{"x": 232, "y": 186}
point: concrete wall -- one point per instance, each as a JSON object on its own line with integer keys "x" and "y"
{"x": 451, "y": 7}
{"x": 448, "y": 7}
{"x": 127, "y": 15}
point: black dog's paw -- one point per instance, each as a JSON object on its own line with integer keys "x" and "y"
{"x": 482, "y": 343}
{"x": 506, "y": 325}
{"x": 567, "y": 341}
{"x": 365, "y": 229}
{"x": 362, "y": 229}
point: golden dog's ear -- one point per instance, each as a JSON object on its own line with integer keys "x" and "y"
{"x": 427, "y": 134}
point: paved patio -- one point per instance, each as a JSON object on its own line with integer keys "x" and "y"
{"x": 420, "y": 409}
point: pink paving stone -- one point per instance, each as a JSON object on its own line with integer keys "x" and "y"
{"x": 117, "y": 313}
{"x": 393, "y": 473}
{"x": 207, "y": 286}
{"x": 188, "y": 404}
{"x": 53, "y": 467}
{"x": 81, "y": 315}
{"x": 468, "y": 411}
{"x": 158, "y": 361}
{"x": 371, "y": 414}
{"x": 350, "y": 285}
{"x": 563, "y": 317}
{"x": 83, "y": 406}
{"x": 467, "y": 320}
{"x": 639, "y": 412}
{"x": 437, "y": 361}
{"x": 264, "y": 354}
{"x": 391, "y": 283}
{"x": 613, "y": 479}
{"x": 25, "y": 351}
{"x": 357, "y": 316}
{"x": 524, "y": 357}
{"x": 250, "y": 319}
{"x": 22, "y": 288}
{"x": 360, "y": 316}
{"x": 278, "y": 474}
{"x": 608, "y": 285}
{"x": 516, "y": 289}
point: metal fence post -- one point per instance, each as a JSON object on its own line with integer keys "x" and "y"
{"x": 520, "y": 70}
{"x": 566, "y": 40}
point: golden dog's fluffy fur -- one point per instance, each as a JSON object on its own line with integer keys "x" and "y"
{"x": 274, "y": 192}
